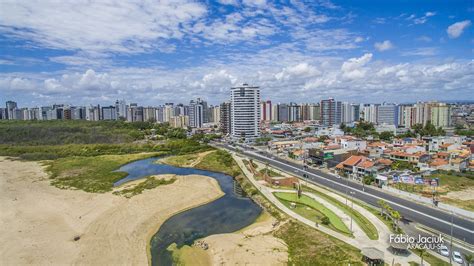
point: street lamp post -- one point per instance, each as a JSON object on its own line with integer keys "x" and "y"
{"x": 352, "y": 206}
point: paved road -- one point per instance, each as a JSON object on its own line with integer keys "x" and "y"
{"x": 463, "y": 229}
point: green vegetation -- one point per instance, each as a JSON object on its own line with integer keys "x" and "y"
{"x": 307, "y": 246}
{"x": 187, "y": 255}
{"x": 386, "y": 136}
{"x": 270, "y": 172}
{"x": 59, "y": 132}
{"x": 364, "y": 223}
{"x": 149, "y": 183}
{"x": 262, "y": 141}
{"x": 220, "y": 161}
{"x": 431, "y": 259}
{"x": 335, "y": 221}
{"x": 453, "y": 181}
{"x": 401, "y": 165}
{"x": 91, "y": 174}
{"x": 180, "y": 160}
{"x": 361, "y": 130}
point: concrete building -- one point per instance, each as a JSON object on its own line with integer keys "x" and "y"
{"x": 245, "y": 112}
{"x": 109, "y": 113}
{"x": 331, "y": 112}
{"x": 10, "y": 110}
{"x": 179, "y": 121}
{"x": 197, "y": 113}
{"x": 441, "y": 115}
{"x": 387, "y": 114}
{"x": 266, "y": 111}
{"x": 121, "y": 109}
{"x": 283, "y": 112}
{"x": 225, "y": 116}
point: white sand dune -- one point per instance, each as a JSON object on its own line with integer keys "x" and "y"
{"x": 38, "y": 222}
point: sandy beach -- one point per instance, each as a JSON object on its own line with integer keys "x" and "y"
{"x": 38, "y": 222}
{"x": 253, "y": 245}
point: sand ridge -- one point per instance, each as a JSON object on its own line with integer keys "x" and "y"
{"x": 38, "y": 222}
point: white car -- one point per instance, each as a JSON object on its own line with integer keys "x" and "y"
{"x": 443, "y": 250}
{"x": 457, "y": 257}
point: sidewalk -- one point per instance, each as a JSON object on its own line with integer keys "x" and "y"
{"x": 358, "y": 242}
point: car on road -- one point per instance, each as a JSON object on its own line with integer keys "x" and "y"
{"x": 457, "y": 257}
{"x": 443, "y": 250}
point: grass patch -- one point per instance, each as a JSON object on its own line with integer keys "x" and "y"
{"x": 91, "y": 174}
{"x": 180, "y": 160}
{"x": 150, "y": 182}
{"x": 187, "y": 255}
{"x": 431, "y": 259}
{"x": 369, "y": 228}
{"x": 307, "y": 246}
{"x": 270, "y": 172}
{"x": 219, "y": 161}
{"x": 335, "y": 221}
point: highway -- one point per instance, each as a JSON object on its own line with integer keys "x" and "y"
{"x": 463, "y": 229}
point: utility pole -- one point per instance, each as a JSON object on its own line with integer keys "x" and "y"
{"x": 451, "y": 240}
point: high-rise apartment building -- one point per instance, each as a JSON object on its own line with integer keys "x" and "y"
{"x": 197, "y": 113}
{"x": 225, "y": 116}
{"x": 387, "y": 114}
{"x": 109, "y": 113}
{"x": 283, "y": 112}
{"x": 266, "y": 111}
{"x": 245, "y": 112}
{"x": 294, "y": 112}
{"x": 331, "y": 112}
{"x": 121, "y": 109}
{"x": 441, "y": 115}
{"x": 10, "y": 110}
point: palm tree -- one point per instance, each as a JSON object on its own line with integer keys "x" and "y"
{"x": 422, "y": 252}
{"x": 382, "y": 206}
{"x": 396, "y": 217}
{"x": 469, "y": 259}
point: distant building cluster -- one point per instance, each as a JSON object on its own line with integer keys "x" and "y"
{"x": 245, "y": 116}
{"x": 330, "y": 112}
{"x": 194, "y": 115}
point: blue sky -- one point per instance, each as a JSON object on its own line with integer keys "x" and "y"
{"x": 151, "y": 52}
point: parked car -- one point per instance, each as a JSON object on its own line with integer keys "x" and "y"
{"x": 443, "y": 250}
{"x": 457, "y": 257}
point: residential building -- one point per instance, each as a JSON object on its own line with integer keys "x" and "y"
{"x": 387, "y": 114}
{"x": 441, "y": 115}
{"x": 266, "y": 111}
{"x": 109, "y": 113}
{"x": 197, "y": 113}
{"x": 225, "y": 116}
{"x": 10, "y": 110}
{"x": 179, "y": 121}
{"x": 331, "y": 112}
{"x": 245, "y": 112}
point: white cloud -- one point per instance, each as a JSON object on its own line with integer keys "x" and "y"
{"x": 424, "y": 38}
{"x": 383, "y": 46}
{"x": 126, "y": 27}
{"x": 456, "y": 29}
{"x": 229, "y": 2}
{"x": 354, "y": 67}
{"x": 421, "y": 51}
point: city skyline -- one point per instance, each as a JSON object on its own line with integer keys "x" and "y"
{"x": 161, "y": 52}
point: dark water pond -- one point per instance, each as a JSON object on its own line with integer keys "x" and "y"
{"x": 229, "y": 213}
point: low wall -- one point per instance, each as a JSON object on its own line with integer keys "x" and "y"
{"x": 429, "y": 201}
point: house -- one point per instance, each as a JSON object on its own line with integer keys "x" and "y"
{"x": 359, "y": 166}
{"x": 414, "y": 158}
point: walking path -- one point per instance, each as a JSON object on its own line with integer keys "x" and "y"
{"x": 360, "y": 239}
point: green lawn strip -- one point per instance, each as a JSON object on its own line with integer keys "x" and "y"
{"x": 149, "y": 183}
{"x": 431, "y": 259}
{"x": 271, "y": 173}
{"x": 369, "y": 228}
{"x": 91, "y": 174}
{"x": 308, "y": 246}
{"x": 333, "y": 218}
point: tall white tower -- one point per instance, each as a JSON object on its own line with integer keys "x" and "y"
{"x": 245, "y": 112}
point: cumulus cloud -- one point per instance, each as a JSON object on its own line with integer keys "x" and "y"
{"x": 456, "y": 29}
{"x": 354, "y": 67}
{"x": 383, "y": 46}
